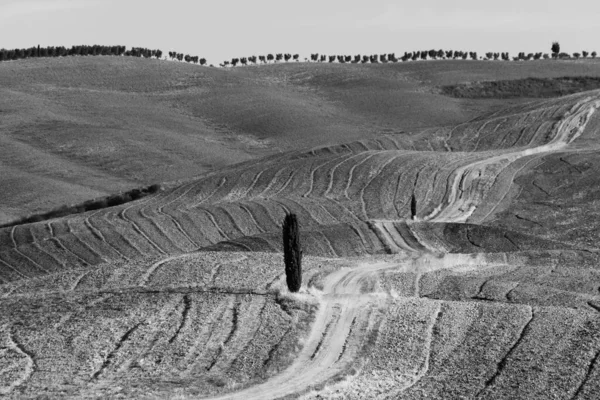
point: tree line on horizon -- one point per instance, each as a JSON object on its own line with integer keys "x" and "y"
{"x": 81, "y": 50}
{"x": 96, "y": 50}
{"x": 173, "y": 55}
{"x": 408, "y": 56}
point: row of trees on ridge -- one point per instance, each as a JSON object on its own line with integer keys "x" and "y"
{"x": 82, "y": 50}
{"x": 261, "y": 59}
{"x": 409, "y": 56}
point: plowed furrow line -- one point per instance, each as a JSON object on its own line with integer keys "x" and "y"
{"x": 98, "y": 234}
{"x": 508, "y": 177}
{"x": 199, "y": 223}
{"x": 285, "y": 185}
{"x": 541, "y": 129}
{"x": 194, "y": 204}
{"x": 271, "y": 183}
{"x": 409, "y": 190}
{"x": 367, "y": 247}
{"x": 339, "y": 211}
{"x": 448, "y": 174}
{"x": 28, "y": 369}
{"x": 247, "y": 195}
{"x": 215, "y": 224}
{"x": 380, "y": 200}
{"x": 335, "y": 317}
{"x": 159, "y": 226}
{"x": 238, "y": 227}
{"x": 14, "y": 242}
{"x": 351, "y": 175}
{"x": 187, "y": 304}
{"x": 493, "y": 133}
{"x": 397, "y": 238}
{"x": 203, "y": 338}
{"x": 192, "y": 226}
{"x": 136, "y": 228}
{"x": 372, "y": 177}
{"x": 477, "y": 135}
{"x": 11, "y": 271}
{"x": 175, "y": 239}
{"x": 23, "y": 234}
{"x": 504, "y": 361}
{"x": 252, "y": 218}
{"x": 234, "y": 327}
{"x": 89, "y": 254}
{"x": 409, "y": 237}
{"x": 314, "y": 177}
{"x": 145, "y": 278}
{"x": 272, "y": 223}
{"x": 50, "y": 261}
{"x": 284, "y": 207}
{"x": 323, "y": 217}
{"x": 424, "y": 368}
{"x": 254, "y": 330}
{"x": 79, "y": 280}
{"x": 334, "y": 169}
{"x": 329, "y": 244}
{"x": 161, "y": 211}
{"x": 109, "y": 359}
{"x": 60, "y": 245}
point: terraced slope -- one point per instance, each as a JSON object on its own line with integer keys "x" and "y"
{"x": 456, "y": 308}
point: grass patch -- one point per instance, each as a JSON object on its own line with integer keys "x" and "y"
{"x": 89, "y": 205}
{"x": 528, "y": 87}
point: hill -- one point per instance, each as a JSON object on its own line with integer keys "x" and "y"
{"x": 83, "y": 127}
{"x": 452, "y": 257}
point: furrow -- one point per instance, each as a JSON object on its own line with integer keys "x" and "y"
{"x": 592, "y": 365}
{"x": 12, "y": 237}
{"x": 376, "y": 193}
{"x": 108, "y": 360}
{"x": 187, "y": 304}
{"x": 29, "y": 368}
{"x": 345, "y": 345}
{"x": 123, "y": 215}
{"x": 504, "y": 361}
{"x": 234, "y": 327}
{"x": 335, "y": 319}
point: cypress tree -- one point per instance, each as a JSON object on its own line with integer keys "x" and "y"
{"x": 292, "y": 253}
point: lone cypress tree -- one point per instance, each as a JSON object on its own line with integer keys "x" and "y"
{"x": 292, "y": 253}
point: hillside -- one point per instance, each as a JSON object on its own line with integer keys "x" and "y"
{"x": 82, "y": 127}
{"x": 450, "y": 244}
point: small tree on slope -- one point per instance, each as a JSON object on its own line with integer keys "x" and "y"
{"x": 292, "y": 253}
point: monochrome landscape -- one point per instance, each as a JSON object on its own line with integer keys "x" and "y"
{"x": 448, "y": 211}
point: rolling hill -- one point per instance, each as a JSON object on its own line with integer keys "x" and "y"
{"x": 450, "y": 244}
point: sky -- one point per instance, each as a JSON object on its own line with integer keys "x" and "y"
{"x": 219, "y": 30}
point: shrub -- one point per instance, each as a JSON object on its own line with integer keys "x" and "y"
{"x": 292, "y": 253}
{"x": 594, "y": 54}
{"x": 89, "y": 205}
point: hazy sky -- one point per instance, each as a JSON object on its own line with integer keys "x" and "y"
{"x": 222, "y": 29}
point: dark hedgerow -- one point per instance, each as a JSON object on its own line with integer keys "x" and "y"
{"x": 89, "y": 205}
{"x": 292, "y": 253}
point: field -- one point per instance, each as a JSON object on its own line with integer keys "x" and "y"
{"x": 450, "y": 242}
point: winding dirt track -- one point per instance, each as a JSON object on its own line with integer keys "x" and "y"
{"x": 344, "y": 302}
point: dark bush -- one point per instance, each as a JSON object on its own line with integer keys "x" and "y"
{"x": 89, "y": 205}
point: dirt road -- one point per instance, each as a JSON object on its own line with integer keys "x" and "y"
{"x": 346, "y": 299}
